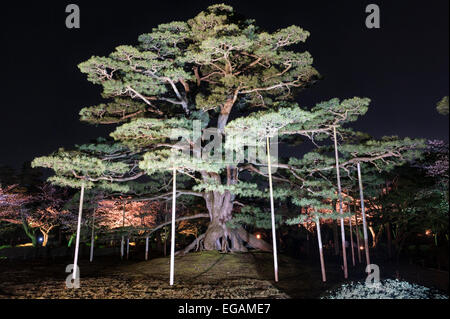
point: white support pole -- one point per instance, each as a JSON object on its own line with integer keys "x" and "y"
{"x": 358, "y": 244}
{"x": 272, "y": 212}
{"x": 128, "y": 247}
{"x": 319, "y": 239}
{"x": 77, "y": 243}
{"x": 146, "y": 248}
{"x": 172, "y": 242}
{"x": 122, "y": 242}
{"x": 363, "y": 213}
{"x": 91, "y": 256}
{"x": 122, "y": 245}
{"x": 351, "y": 241}
{"x": 344, "y": 252}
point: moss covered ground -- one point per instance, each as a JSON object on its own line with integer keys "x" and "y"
{"x": 197, "y": 275}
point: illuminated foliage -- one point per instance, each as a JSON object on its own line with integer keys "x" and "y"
{"x": 201, "y": 72}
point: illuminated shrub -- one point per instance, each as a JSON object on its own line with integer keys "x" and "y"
{"x": 386, "y": 289}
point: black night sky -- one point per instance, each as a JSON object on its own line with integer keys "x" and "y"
{"x": 403, "y": 67}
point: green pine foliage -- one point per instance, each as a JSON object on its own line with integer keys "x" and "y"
{"x": 203, "y": 69}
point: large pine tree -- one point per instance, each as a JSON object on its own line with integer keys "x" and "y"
{"x": 231, "y": 79}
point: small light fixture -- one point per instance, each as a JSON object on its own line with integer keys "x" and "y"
{"x": 258, "y": 236}
{"x": 361, "y": 247}
{"x": 428, "y": 232}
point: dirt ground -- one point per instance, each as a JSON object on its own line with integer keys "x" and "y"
{"x": 198, "y": 275}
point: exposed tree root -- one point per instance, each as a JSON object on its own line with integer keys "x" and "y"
{"x": 195, "y": 244}
{"x": 237, "y": 237}
{"x": 252, "y": 241}
{"x": 177, "y": 220}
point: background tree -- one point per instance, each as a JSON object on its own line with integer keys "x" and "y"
{"x": 184, "y": 71}
{"x": 41, "y": 211}
{"x": 13, "y": 203}
{"x": 442, "y": 106}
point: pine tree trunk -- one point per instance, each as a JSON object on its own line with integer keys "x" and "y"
{"x": 374, "y": 237}
{"x": 218, "y": 235}
{"x": 378, "y": 236}
{"x": 219, "y": 207}
{"x": 45, "y": 238}
{"x": 30, "y": 232}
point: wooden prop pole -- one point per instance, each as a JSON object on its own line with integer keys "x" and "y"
{"x": 351, "y": 241}
{"x": 272, "y": 212}
{"x": 91, "y": 256}
{"x": 77, "y": 243}
{"x": 319, "y": 239}
{"x": 128, "y": 247}
{"x": 344, "y": 252}
{"x": 146, "y": 248}
{"x": 172, "y": 244}
{"x": 122, "y": 242}
{"x": 358, "y": 243}
{"x": 363, "y": 214}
